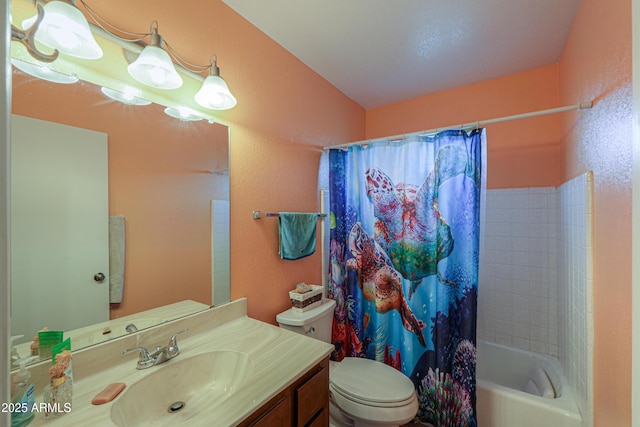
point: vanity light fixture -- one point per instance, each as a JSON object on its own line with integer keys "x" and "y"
{"x": 215, "y": 93}
{"x": 42, "y": 71}
{"x": 128, "y": 96}
{"x": 64, "y": 28}
{"x": 183, "y": 114}
{"x": 154, "y": 66}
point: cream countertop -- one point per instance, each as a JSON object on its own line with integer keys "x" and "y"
{"x": 280, "y": 357}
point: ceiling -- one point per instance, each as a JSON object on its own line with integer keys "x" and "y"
{"x": 378, "y": 52}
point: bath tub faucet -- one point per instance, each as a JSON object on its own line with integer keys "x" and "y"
{"x": 160, "y": 355}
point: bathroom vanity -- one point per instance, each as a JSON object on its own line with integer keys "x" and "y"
{"x": 231, "y": 371}
{"x": 304, "y": 403}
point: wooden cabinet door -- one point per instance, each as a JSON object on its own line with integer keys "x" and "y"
{"x": 312, "y": 397}
{"x": 278, "y": 416}
{"x": 321, "y": 420}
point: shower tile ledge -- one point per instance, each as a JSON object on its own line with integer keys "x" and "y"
{"x": 280, "y": 357}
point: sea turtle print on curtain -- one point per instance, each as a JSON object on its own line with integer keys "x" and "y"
{"x": 404, "y": 263}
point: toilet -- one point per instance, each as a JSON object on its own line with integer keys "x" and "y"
{"x": 362, "y": 392}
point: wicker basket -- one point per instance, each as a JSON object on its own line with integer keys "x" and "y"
{"x": 307, "y": 300}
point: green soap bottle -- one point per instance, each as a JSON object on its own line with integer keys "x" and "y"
{"x": 23, "y": 395}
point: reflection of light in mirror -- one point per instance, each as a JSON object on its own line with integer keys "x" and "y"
{"x": 127, "y": 96}
{"x": 42, "y": 71}
{"x": 183, "y": 114}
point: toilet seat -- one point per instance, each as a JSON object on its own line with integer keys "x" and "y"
{"x": 356, "y": 411}
{"x": 372, "y": 391}
{"x": 371, "y": 383}
{"x": 373, "y": 404}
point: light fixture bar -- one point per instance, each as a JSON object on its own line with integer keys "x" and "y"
{"x": 105, "y": 72}
{"x": 136, "y": 48}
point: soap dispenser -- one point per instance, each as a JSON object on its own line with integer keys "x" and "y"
{"x": 23, "y": 396}
{"x": 14, "y": 353}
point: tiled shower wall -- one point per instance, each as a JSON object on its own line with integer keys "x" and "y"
{"x": 518, "y": 289}
{"x": 536, "y": 277}
{"x": 576, "y": 299}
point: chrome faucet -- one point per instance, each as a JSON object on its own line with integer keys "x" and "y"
{"x": 131, "y": 328}
{"x": 160, "y": 355}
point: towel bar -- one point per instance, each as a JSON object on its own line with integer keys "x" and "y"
{"x": 256, "y": 214}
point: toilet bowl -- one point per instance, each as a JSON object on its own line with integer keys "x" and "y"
{"x": 363, "y": 392}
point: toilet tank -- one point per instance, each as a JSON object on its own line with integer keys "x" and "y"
{"x": 315, "y": 323}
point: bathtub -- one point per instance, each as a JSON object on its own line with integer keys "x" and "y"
{"x": 502, "y": 373}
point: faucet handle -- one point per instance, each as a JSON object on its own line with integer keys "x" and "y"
{"x": 144, "y": 354}
{"x": 172, "y": 347}
{"x": 173, "y": 340}
{"x": 144, "y": 359}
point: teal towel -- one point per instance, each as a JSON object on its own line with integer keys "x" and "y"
{"x": 297, "y": 234}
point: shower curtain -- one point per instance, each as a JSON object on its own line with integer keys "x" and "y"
{"x": 404, "y": 251}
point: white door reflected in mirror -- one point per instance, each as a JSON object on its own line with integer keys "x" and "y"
{"x": 59, "y": 226}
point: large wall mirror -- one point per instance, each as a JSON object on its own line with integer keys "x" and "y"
{"x": 168, "y": 179}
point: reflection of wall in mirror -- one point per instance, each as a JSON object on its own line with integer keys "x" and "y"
{"x": 159, "y": 178}
{"x": 220, "y": 243}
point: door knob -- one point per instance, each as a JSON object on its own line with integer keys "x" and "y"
{"x": 99, "y": 277}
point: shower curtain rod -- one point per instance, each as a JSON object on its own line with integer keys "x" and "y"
{"x": 474, "y": 125}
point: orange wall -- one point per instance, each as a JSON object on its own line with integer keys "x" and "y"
{"x": 519, "y": 153}
{"x": 285, "y": 114}
{"x": 596, "y": 64}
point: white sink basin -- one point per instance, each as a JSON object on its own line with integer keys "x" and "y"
{"x": 182, "y": 389}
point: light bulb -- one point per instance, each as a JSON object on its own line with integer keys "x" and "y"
{"x": 154, "y": 68}
{"x": 65, "y": 28}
